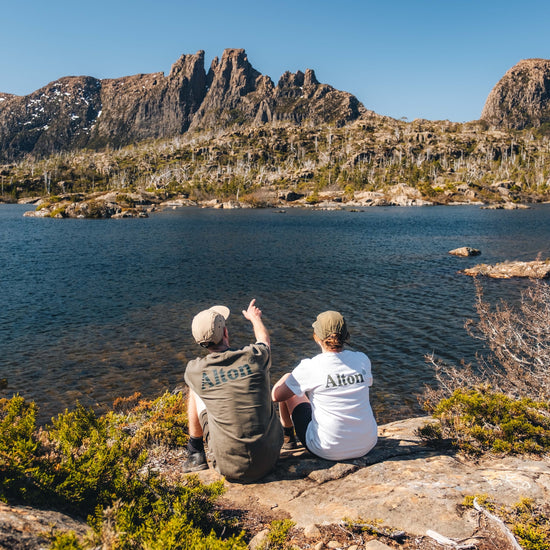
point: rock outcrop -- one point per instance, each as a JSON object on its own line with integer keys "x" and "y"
{"x": 27, "y": 528}
{"x": 521, "y": 98}
{"x": 140, "y": 107}
{"x": 100, "y": 205}
{"x": 465, "y": 251}
{"x": 506, "y": 270}
{"x": 401, "y": 485}
{"x": 76, "y": 112}
{"x": 401, "y": 482}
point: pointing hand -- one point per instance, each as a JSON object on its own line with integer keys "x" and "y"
{"x": 252, "y": 312}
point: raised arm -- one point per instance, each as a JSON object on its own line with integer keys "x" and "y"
{"x": 254, "y": 315}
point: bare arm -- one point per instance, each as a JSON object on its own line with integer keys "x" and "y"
{"x": 254, "y": 315}
{"x": 280, "y": 391}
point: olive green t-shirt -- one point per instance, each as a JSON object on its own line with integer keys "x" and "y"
{"x": 245, "y": 432}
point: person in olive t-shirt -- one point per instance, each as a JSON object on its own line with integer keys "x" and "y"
{"x": 230, "y": 400}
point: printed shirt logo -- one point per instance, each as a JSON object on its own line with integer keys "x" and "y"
{"x": 216, "y": 377}
{"x": 337, "y": 380}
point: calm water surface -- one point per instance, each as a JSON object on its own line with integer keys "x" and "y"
{"x": 96, "y": 309}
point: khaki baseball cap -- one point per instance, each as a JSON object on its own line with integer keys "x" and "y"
{"x": 207, "y": 326}
{"x": 330, "y": 322}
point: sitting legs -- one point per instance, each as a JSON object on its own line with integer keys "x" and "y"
{"x": 195, "y": 446}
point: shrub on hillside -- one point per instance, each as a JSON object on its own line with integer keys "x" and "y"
{"x": 501, "y": 404}
{"x": 95, "y": 466}
{"x": 19, "y": 448}
{"x": 162, "y": 421}
{"x": 481, "y": 420}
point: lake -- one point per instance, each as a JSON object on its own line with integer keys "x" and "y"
{"x": 96, "y": 309}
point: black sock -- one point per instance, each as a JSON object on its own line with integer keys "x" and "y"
{"x": 195, "y": 445}
{"x": 288, "y": 431}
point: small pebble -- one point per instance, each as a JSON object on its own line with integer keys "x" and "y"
{"x": 312, "y": 531}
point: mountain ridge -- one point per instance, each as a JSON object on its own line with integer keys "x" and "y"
{"x": 74, "y": 112}
{"x": 231, "y": 131}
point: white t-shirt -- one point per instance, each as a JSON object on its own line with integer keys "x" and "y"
{"x": 337, "y": 384}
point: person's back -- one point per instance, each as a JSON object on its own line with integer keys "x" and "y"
{"x": 229, "y": 400}
{"x": 325, "y": 399}
{"x": 337, "y": 386}
{"x": 245, "y": 433}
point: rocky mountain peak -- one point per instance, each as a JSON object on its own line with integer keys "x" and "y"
{"x": 75, "y": 112}
{"x": 188, "y": 65}
{"x": 310, "y": 79}
{"x": 289, "y": 81}
{"x": 228, "y": 81}
{"x": 521, "y": 99}
{"x": 232, "y": 73}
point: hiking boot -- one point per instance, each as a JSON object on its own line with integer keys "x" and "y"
{"x": 195, "y": 462}
{"x": 290, "y": 442}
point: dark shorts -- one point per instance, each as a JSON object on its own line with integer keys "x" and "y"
{"x": 301, "y": 417}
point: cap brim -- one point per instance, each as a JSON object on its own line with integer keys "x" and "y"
{"x": 222, "y": 310}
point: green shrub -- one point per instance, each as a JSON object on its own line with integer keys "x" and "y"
{"x": 65, "y": 541}
{"x": 431, "y": 432}
{"x": 162, "y": 421}
{"x": 278, "y": 534}
{"x": 90, "y": 465}
{"x": 483, "y": 500}
{"x": 528, "y": 521}
{"x": 313, "y": 198}
{"x": 125, "y": 200}
{"x": 530, "y": 524}
{"x": 18, "y": 448}
{"x": 58, "y": 211}
{"x": 93, "y": 463}
{"x": 532, "y": 537}
{"x": 182, "y": 518}
{"x": 481, "y": 420}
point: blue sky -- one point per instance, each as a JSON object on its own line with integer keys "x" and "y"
{"x": 415, "y": 59}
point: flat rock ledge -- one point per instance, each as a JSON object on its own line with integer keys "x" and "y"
{"x": 506, "y": 270}
{"x": 401, "y": 484}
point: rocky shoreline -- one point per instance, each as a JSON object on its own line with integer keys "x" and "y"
{"x": 537, "y": 269}
{"x": 139, "y": 204}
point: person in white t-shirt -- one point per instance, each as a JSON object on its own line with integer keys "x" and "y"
{"x": 325, "y": 399}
